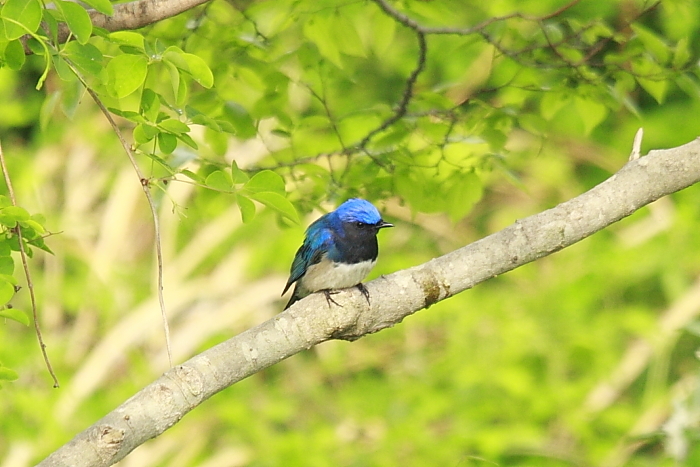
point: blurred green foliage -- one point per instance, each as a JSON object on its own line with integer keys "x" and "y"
{"x": 586, "y": 357}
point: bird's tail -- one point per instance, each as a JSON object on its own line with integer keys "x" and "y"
{"x": 296, "y": 296}
{"x": 291, "y": 301}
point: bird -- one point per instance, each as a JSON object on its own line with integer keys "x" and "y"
{"x": 339, "y": 250}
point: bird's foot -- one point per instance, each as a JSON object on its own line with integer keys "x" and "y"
{"x": 361, "y": 287}
{"x": 329, "y": 299}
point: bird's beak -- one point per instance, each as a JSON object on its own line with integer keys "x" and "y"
{"x": 383, "y": 224}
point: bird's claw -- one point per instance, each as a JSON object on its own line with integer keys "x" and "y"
{"x": 329, "y": 299}
{"x": 361, "y": 287}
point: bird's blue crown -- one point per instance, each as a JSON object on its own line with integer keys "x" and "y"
{"x": 358, "y": 210}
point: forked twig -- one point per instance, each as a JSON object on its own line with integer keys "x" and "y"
{"x": 27, "y": 275}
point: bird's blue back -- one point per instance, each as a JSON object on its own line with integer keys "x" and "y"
{"x": 318, "y": 241}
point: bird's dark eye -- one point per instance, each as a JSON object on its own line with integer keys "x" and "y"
{"x": 360, "y": 224}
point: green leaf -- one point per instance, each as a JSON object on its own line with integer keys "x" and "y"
{"x": 277, "y": 202}
{"x": 38, "y": 218}
{"x": 681, "y": 54}
{"x": 10, "y": 215}
{"x": 25, "y": 12}
{"x": 167, "y": 142}
{"x": 14, "y": 55}
{"x": 9, "y": 278}
{"x": 160, "y": 161}
{"x": 193, "y": 176}
{"x": 182, "y": 90}
{"x": 63, "y": 69}
{"x": 247, "y": 208}
{"x": 143, "y": 133}
{"x": 219, "y": 180}
{"x": 689, "y": 86}
{"x": 103, "y": 6}
{"x": 50, "y": 18}
{"x": 551, "y": 103}
{"x": 150, "y": 131}
{"x": 77, "y": 19}
{"x": 241, "y": 120}
{"x": 175, "y": 79}
{"x": 86, "y": 57}
{"x": 41, "y": 244}
{"x": 174, "y": 126}
{"x": 15, "y": 315}
{"x": 657, "y": 89}
{"x": 5, "y": 249}
{"x": 126, "y": 73}
{"x": 7, "y": 374}
{"x": 591, "y": 112}
{"x": 345, "y": 36}
{"x": 383, "y": 31}
{"x": 317, "y": 29}
{"x": 266, "y": 181}
{"x": 238, "y": 175}
{"x": 128, "y": 38}
{"x": 7, "y": 290}
{"x": 33, "y": 225}
{"x": 201, "y": 119}
{"x": 187, "y": 139}
{"x": 191, "y": 64}
{"x": 652, "y": 43}
{"x": 7, "y": 265}
{"x": 465, "y": 192}
{"x": 150, "y": 105}
{"x": 128, "y": 114}
{"x": 199, "y": 70}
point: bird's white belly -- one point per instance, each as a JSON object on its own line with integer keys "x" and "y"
{"x": 327, "y": 275}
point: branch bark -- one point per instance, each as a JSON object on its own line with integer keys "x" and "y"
{"x": 135, "y": 15}
{"x": 164, "y": 402}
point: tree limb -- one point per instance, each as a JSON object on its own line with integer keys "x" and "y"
{"x": 135, "y": 15}
{"x": 164, "y": 402}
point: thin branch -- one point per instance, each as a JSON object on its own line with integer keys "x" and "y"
{"x": 402, "y": 108}
{"x": 154, "y": 212}
{"x": 421, "y": 33}
{"x": 27, "y": 275}
{"x": 393, "y": 298}
{"x": 413, "y": 24}
{"x": 329, "y": 114}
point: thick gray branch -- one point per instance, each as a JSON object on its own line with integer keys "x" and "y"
{"x": 164, "y": 402}
{"x": 135, "y": 15}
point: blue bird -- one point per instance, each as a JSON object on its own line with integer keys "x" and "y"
{"x": 339, "y": 250}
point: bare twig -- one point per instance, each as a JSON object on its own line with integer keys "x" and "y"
{"x": 145, "y": 184}
{"x": 637, "y": 145}
{"x": 27, "y": 275}
{"x": 413, "y": 24}
{"x": 154, "y": 212}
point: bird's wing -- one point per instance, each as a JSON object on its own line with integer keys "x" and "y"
{"x": 316, "y": 244}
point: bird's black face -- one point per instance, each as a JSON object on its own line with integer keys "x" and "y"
{"x": 359, "y": 231}
{"x": 359, "y": 241}
{"x": 364, "y": 227}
